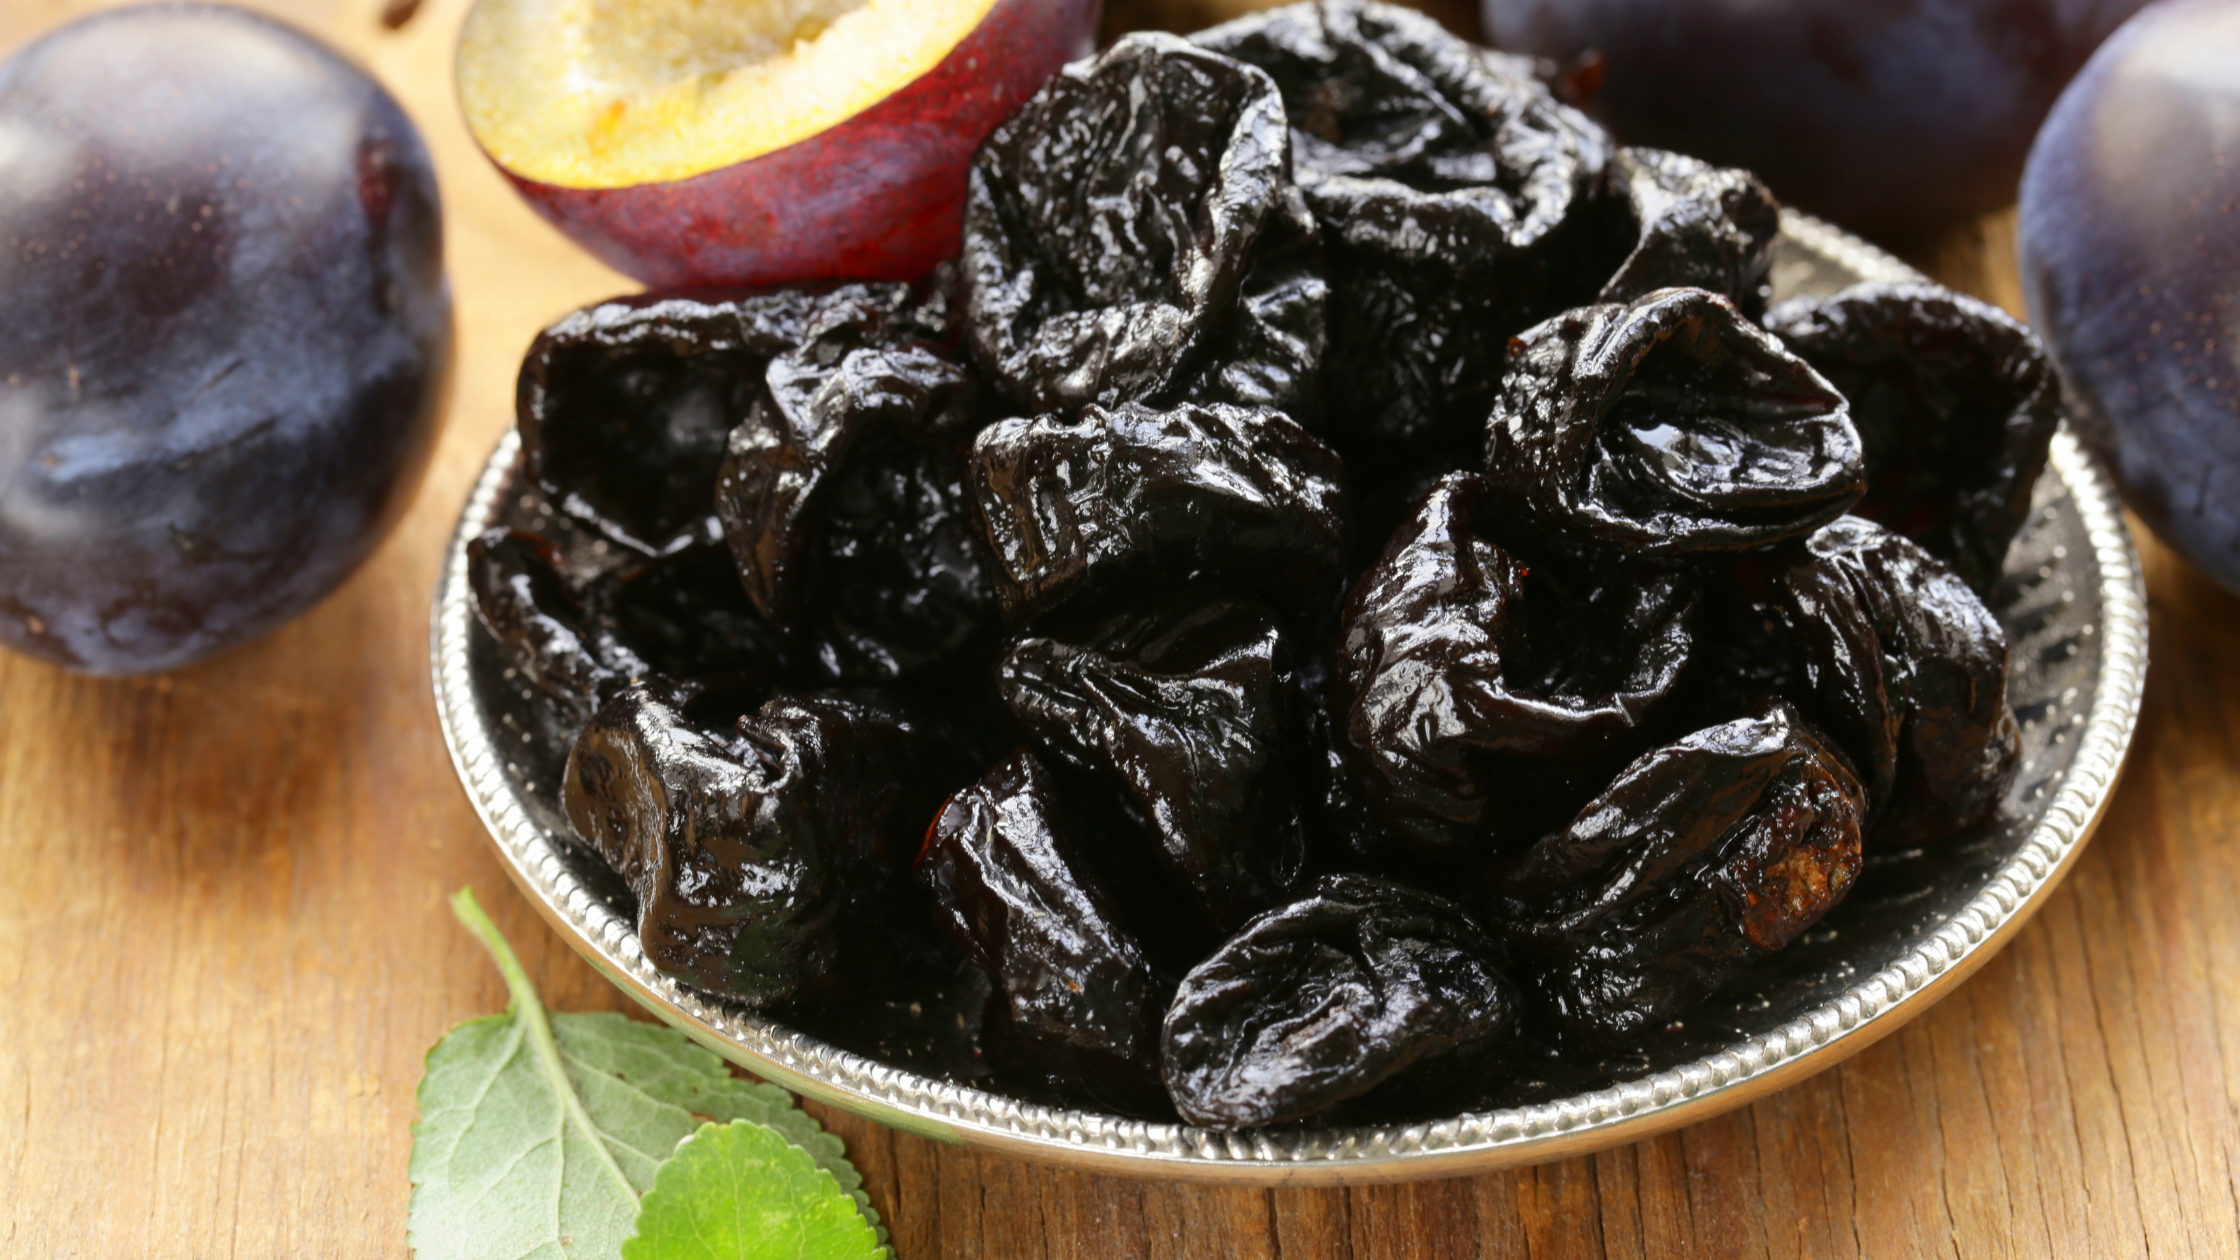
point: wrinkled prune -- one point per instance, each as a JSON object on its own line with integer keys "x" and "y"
{"x": 757, "y": 858}
{"x": 1669, "y": 425}
{"x": 1132, "y": 235}
{"x": 1688, "y": 224}
{"x": 1195, "y": 712}
{"x": 1702, "y": 856}
{"x": 1907, "y": 670}
{"x": 842, "y": 497}
{"x": 540, "y": 621}
{"x": 1330, "y": 997}
{"x": 623, "y": 407}
{"x": 1138, "y": 499}
{"x": 1474, "y": 683}
{"x": 1954, "y": 404}
{"x": 1012, "y": 889}
{"x": 1447, "y": 196}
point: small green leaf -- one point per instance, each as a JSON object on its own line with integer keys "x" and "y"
{"x": 742, "y": 1192}
{"x": 538, "y": 1133}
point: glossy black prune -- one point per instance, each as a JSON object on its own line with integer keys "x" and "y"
{"x": 1907, "y": 670}
{"x": 1194, "y": 710}
{"x": 1448, "y": 196}
{"x": 842, "y": 497}
{"x": 1363, "y": 982}
{"x": 1667, "y": 426}
{"x": 1682, "y": 223}
{"x": 624, "y": 407}
{"x": 540, "y": 620}
{"x": 685, "y": 615}
{"x": 1474, "y": 683}
{"x": 1013, "y": 890}
{"x": 1700, "y": 857}
{"x": 1131, "y": 499}
{"x": 758, "y": 858}
{"x": 1954, "y": 404}
{"x": 1132, "y": 235}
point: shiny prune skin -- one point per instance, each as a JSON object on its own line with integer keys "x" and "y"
{"x": 1681, "y": 223}
{"x": 1449, "y": 199}
{"x": 2129, "y": 268}
{"x": 1894, "y": 119}
{"x": 758, "y": 858}
{"x": 540, "y": 621}
{"x": 1906, "y": 669}
{"x": 624, "y": 407}
{"x": 1132, "y": 235}
{"x": 1699, "y": 858}
{"x": 1955, "y": 408}
{"x": 1193, "y": 710}
{"x": 1130, "y": 499}
{"x": 1013, "y": 890}
{"x": 1668, "y": 426}
{"x": 1478, "y": 687}
{"x": 1363, "y": 983}
{"x": 229, "y": 328}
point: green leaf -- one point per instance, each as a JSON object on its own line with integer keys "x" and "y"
{"x": 742, "y": 1192}
{"x": 538, "y": 1133}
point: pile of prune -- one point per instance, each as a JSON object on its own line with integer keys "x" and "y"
{"x": 1342, "y": 590}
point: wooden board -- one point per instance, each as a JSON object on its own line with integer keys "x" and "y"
{"x": 223, "y": 932}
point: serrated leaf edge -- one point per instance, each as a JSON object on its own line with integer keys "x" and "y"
{"x": 883, "y": 1249}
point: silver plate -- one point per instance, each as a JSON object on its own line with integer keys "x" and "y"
{"x": 1917, "y": 924}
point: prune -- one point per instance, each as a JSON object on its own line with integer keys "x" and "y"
{"x": 624, "y": 407}
{"x": 540, "y": 621}
{"x": 1133, "y": 498}
{"x": 1446, "y": 194}
{"x": 1012, "y": 890}
{"x": 842, "y": 496}
{"x": 757, "y": 859}
{"x": 1700, "y": 857}
{"x": 1907, "y": 669}
{"x": 1667, "y": 426}
{"x": 2130, "y": 265}
{"x": 1682, "y": 223}
{"x": 1954, "y": 407}
{"x": 686, "y": 615}
{"x": 228, "y": 329}
{"x": 1195, "y": 712}
{"x": 1895, "y": 118}
{"x": 1359, "y": 984}
{"x": 1132, "y": 235}
{"x": 1473, "y": 683}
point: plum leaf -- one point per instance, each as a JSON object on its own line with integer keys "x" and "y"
{"x": 742, "y": 1192}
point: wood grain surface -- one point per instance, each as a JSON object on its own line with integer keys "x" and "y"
{"x": 223, "y": 932}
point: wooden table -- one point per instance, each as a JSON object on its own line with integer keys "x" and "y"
{"x": 223, "y": 926}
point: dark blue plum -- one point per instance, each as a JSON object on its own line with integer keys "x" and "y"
{"x": 226, "y": 332}
{"x": 2131, "y": 267}
{"x": 1892, "y": 116}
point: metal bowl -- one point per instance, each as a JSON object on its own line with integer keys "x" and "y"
{"x": 1916, "y": 925}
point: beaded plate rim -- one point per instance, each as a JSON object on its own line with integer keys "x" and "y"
{"x": 1865, "y": 1011}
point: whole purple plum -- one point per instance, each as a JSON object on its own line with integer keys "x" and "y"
{"x": 2131, "y": 267}
{"x": 1892, "y": 116}
{"x": 226, "y": 336}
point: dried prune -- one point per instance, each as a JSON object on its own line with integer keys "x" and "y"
{"x": 842, "y": 497}
{"x": 1682, "y": 223}
{"x": 1907, "y": 670}
{"x": 1447, "y": 194}
{"x": 1132, "y": 235}
{"x": 1135, "y": 499}
{"x": 1702, "y": 856}
{"x": 1012, "y": 889}
{"x": 623, "y": 407}
{"x": 757, "y": 858}
{"x": 685, "y": 614}
{"x": 1666, "y": 426}
{"x": 1474, "y": 683}
{"x": 1359, "y": 984}
{"x": 539, "y": 618}
{"x": 1954, "y": 405}
{"x": 1195, "y": 710}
